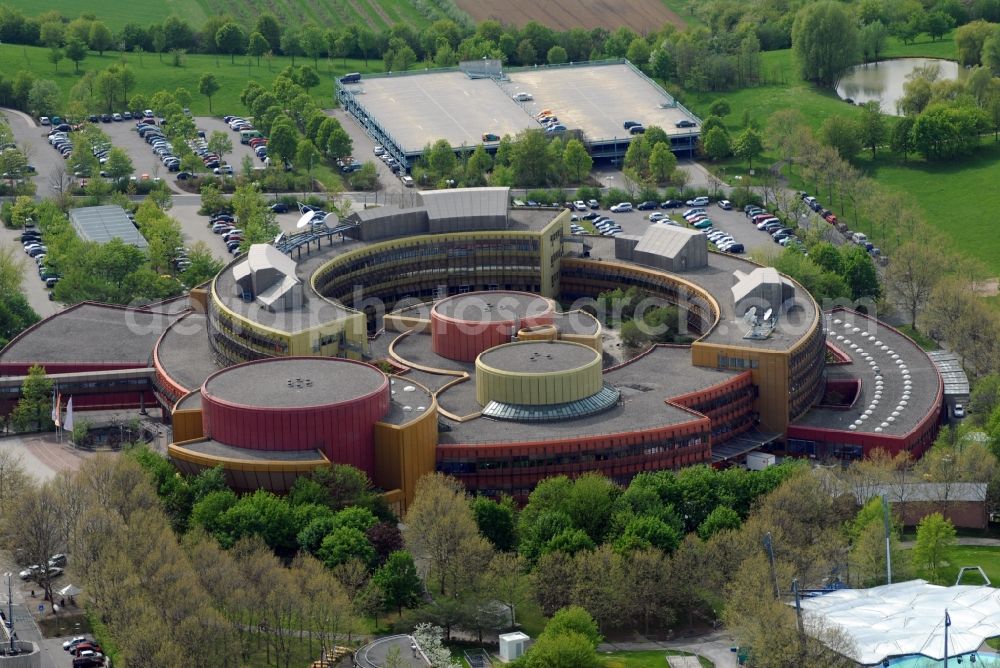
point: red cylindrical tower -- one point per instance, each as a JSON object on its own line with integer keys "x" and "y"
{"x": 465, "y": 325}
{"x": 298, "y": 403}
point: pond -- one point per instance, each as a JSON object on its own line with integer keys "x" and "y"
{"x": 883, "y": 81}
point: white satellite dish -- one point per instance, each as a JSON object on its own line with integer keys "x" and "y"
{"x": 330, "y": 220}
{"x": 304, "y": 220}
{"x": 277, "y": 239}
{"x": 767, "y": 314}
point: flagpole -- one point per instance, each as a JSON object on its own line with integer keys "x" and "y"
{"x": 947, "y": 623}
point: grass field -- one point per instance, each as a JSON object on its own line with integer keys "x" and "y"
{"x": 951, "y": 195}
{"x": 646, "y": 659}
{"x": 988, "y": 558}
{"x": 153, "y": 75}
{"x": 116, "y": 13}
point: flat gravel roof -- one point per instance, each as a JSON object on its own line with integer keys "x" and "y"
{"x": 645, "y": 384}
{"x": 294, "y": 382}
{"x": 539, "y": 357}
{"x": 90, "y": 333}
{"x": 597, "y": 99}
{"x": 418, "y": 109}
{"x": 500, "y": 306}
{"x": 216, "y": 449}
{"x": 104, "y": 223}
{"x": 409, "y": 401}
{"x": 185, "y": 354}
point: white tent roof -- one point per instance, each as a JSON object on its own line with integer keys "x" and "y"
{"x": 907, "y": 618}
{"x": 69, "y": 590}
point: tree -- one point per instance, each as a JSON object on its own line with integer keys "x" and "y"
{"x": 55, "y": 55}
{"x": 824, "y": 41}
{"x": 496, "y": 522}
{"x": 313, "y": 42}
{"x": 574, "y": 619}
{"x": 119, "y": 164}
{"x": 76, "y": 51}
{"x": 842, "y": 134}
{"x": 307, "y": 156}
{"x": 440, "y": 160}
{"x": 398, "y": 578}
{"x": 662, "y": 163}
{"x": 35, "y": 403}
{"x": 219, "y": 143}
{"x": 937, "y": 23}
{"x": 748, "y": 145}
{"x": 441, "y": 533}
{"x": 344, "y": 544}
{"x": 872, "y": 131}
{"x": 258, "y": 46}
{"x": 100, "y": 37}
{"x": 720, "y": 519}
{"x": 563, "y": 650}
{"x": 716, "y": 143}
{"x": 307, "y": 78}
{"x": 935, "y": 535}
{"x": 969, "y": 41}
{"x": 578, "y": 162}
{"x": 208, "y": 86}
{"x": 231, "y": 39}
{"x": 267, "y": 25}
{"x": 556, "y": 55}
{"x": 915, "y": 270}
{"x": 720, "y": 108}
{"x": 34, "y": 525}
{"x": 283, "y": 141}
{"x": 291, "y": 43}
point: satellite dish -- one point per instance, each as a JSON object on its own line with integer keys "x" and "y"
{"x": 305, "y": 219}
{"x": 752, "y": 311}
{"x": 330, "y": 220}
{"x": 303, "y": 207}
{"x": 277, "y": 239}
{"x": 767, "y": 314}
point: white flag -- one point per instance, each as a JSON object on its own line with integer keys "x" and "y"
{"x": 68, "y": 422}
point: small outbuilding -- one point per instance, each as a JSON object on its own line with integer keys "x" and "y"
{"x": 513, "y": 646}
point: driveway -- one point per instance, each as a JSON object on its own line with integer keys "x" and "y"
{"x": 31, "y": 138}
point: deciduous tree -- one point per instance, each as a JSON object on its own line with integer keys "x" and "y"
{"x": 935, "y": 535}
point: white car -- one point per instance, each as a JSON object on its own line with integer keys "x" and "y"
{"x": 73, "y": 641}
{"x": 622, "y": 207}
{"x": 958, "y": 411}
{"x": 725, "y": 204}
{"x": 580, "y": 205}
{"x": 698, "y": 201}
{"x": 655, "y": 216}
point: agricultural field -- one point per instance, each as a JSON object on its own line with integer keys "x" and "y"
{"x": 116, "y": 13}
{"x": 153, "y": 75}
{"x": 639, "y": 15}
{"x": 377, "y": 14}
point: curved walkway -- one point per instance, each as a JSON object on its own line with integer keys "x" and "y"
{"x": 375, "y": 653}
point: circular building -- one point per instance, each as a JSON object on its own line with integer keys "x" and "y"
{"x": 465, "y": 325}
{"x": 542, "y": 380}
{"x": 298, "y": 404}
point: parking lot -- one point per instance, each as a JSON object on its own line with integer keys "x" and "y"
{"x": 50, "y": 165}
{"x": 732, "y": 222}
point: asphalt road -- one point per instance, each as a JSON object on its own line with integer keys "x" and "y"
{"x": 30, "y": 138}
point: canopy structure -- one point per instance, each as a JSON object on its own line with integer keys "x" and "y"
{"x": 907, "y": 618}
{"x": 69, "y": 590}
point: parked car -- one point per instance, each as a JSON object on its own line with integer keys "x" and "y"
{"x": 686, "y": 123}
{"x": 628, "y": 125}
{"x": 30, "y": 572}
{"x": 622, "y": 207}
{"x": 593, "y": 204}
{"x": 698, "y": 201}
{"x": 725, "y": 204}
{"x": 647, "y": 206}
{"x": 279, "y": 207}
{"x": 671, "y": 204}
{"x": 637, "y": 130}
{"x": 73, "y": 642}
{"x": 958, "y": 411}
{"x": 44, "y": 120}
{"x": 490, "y": 137}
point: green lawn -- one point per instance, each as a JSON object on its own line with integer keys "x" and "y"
{"x": 116, "y": 13}
{"x": 969, "y": 555}
{"x": 153, "y": 75}
{"x": 646, "y": 659}
{"x": 921, "y": 339}
{"x": 953, "y": 196}
{"x": 377, "y": 14}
